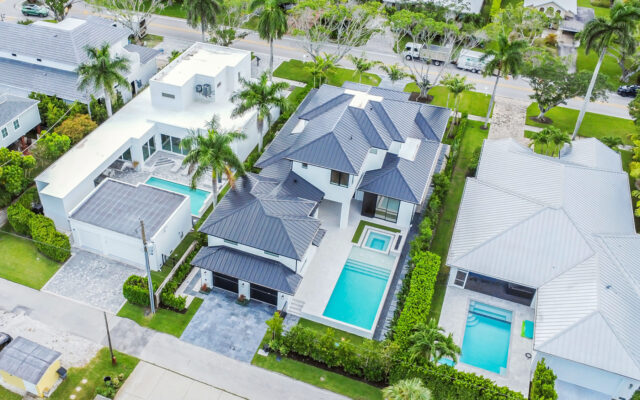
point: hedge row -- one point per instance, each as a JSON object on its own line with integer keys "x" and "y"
{"x": 47, "y": 239}
{"x": 167, "y": 296}
{"x": 136, "y": 290}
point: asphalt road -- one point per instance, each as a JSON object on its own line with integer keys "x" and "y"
{"x": 379, "y": 48}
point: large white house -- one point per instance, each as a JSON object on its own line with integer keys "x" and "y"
{"x": 42, "y": 57}
{"x": 557, "y": 235}
{"x": 144, "y": 137}
{"x": 17, "y": 117}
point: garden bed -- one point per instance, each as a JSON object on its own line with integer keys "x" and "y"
{"x": 363, "y": 224}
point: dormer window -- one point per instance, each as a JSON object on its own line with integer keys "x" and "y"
{"x": 302, "y": 123}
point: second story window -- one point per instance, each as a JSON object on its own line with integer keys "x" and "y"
{"x": 168, "y": 95}
{"x": 16, "y": 124}
{"x": 5, "y": 133}
{"x": 305, "y": 165}
{"x": 339, "y": 178}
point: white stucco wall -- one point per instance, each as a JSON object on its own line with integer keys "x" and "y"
{"x": 172, "y": 232}
{"x": 27, "y": 120}
{"x": 289, "y": 262}
{"x": 405, "y": 213}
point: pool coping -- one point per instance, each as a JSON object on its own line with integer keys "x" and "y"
{"x": 207, "y": 201}
{"x": 368, "y": 230}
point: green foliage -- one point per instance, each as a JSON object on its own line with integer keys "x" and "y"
{"x": 274, "y": 332}
{"x": 634, "y": 109}
{"x": 475, "y": 159}
{"x": 543, "y": 383}
{"x": 77, "y": 127}
{"x": 428, "y": 344}
{"x": 5, "y": 198}
{"x": 51, "y": 146}
{"x": 407, "y": 389}
{"x": 29, "y": 197}
{"x": 13, "y": 170}
{"x": 422, "y": 240}
{"x": 167, "y": 296}
{"x": 52, "y": 108}
{"x": 98, "y": 110}
{"x": 495, "y": 8}
{"x": 48, "y": 240}
{"x": 19, "y": 218}
{"x": 136, "y": 290}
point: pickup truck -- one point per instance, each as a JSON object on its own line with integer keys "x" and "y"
{"x": 428, "y": 53}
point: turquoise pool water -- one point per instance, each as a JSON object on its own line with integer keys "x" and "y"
{"x": 378, "y": 241}
{"x": 198, "y": 196}
{"x": 486, "y": 337}
{"x": 357, "y": 294}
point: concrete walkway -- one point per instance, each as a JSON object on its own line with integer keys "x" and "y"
{"x": 156, "y": 348}
{"x": 509, "y": 119}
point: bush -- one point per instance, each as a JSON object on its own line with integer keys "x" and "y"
{"x": 495, "y": 8}
{"x": 29, "y": 197}
{"x": 167, "y": 296}
{"x": 5, "y": 198}
{"x": 418, "y": 300}
{"x": 543, "y": 383}
{"x": 48, "y": 240}
{"x": 136, "y": 290}
{"x": 422, "y": 241}
{"x": 77, "y": 127}
{"x": 19, "y": 218}
{"x": 475, "y": 160}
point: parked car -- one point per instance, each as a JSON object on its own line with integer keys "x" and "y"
{"x": 628, "y": 90}
{"x": 428, "y": 53}
{"x": 34, "y": 10}
{"x": 5, "y": 339}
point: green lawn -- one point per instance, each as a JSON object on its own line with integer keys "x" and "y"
{"x": 295, "y": 70}
{"x": 609, "y": 67}
{"x": 99, "y": 367}
{"x": 8, "y": 395}
{"x": 152, "y": 40}
{"x": 363, "y": 224}
{"x": 593, "y": 125}
{"x": 472, "y": 140}
{"x": 600, "y": 11}
{"x": 473, "y": 103}
{"x": 22, "y": 263}
{"x": 339, "y": 335}
{"x": 318, "y": 377}
{"x": 505, "y": 3}
{"x": 166, "y": 321}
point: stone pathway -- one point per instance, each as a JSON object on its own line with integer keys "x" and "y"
{"x": 508, "y": 120}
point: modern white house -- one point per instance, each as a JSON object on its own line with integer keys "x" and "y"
{"x": 42, "y": 57}
{"x": 347, "y": 145}
{"x": 556, "y": 235}
{"x": 18, "y": 116}
{"x": 140, "y": 144}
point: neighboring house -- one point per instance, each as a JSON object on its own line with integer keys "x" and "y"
{"x": 145, "y": 135}
{"x": 558, "y": 235}
{"x": 564, "y": 8}
{"x": 42, "y": 57}
{"x": 355, "y": 143}
{"x": 17, "y": 117}
{"x": 26, "y": 366}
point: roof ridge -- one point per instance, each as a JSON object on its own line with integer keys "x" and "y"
{"x": 331, "y": 136}
{"x": 619, "y": 265}
{"x": 289, "y": 241}
{"x": 516, "y": 194}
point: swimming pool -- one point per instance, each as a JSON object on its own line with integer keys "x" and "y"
{"x": 356, "y": 297}
{"x": 378, "y": 241}
{"x": 486, "y": 337}
{"x": 197, "y": 196}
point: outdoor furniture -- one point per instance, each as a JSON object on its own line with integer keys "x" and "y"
{"x": 527, "y": 329}
{"x": 176, "y": 167}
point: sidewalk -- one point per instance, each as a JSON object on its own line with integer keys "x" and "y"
{"x": 156, "y": 348}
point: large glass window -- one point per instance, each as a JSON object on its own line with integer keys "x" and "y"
{"x": 126, "y": 155}
{"x": 149, "y": 148}
{"x": 172, "y": 144}
{"x": 166, "y": 142}
{"x": 339, "y": 178}
{"x": 387, "y": 208}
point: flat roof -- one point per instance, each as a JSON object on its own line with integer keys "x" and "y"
{"x": 119, "y": 207}
{"x": 26, "y": 359}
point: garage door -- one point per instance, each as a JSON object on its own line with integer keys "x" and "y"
{"x": 225, "y": 282}
{"x": 264, "y": 294}
{"x": 90, "y": 240}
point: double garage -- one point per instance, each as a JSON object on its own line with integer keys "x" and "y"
{"x": 256, "y": 292}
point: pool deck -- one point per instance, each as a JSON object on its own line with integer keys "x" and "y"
{"x": 453, "y": 318}
{"x": 324, "y": 270}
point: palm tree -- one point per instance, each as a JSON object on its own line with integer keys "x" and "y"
{"x": 407, "y": 389}
{"x": 272, "y": 22}
{"x": 319, "y": 68}
{"x": 508, "y": 59}
{"x": 540, "y": 141}
{"x": 601, "y": 32}
{"x": 103, "y": 72}
{"x": 428, "y": 344}
{"x": 212, "y": 151}
{"x": 558, "y": 138}
{"x": 394, "y": 73}
{"x": 362, "y": 65}
{"x": 202, "y": 12}
{"x": 261, "y": 96}
{"x": 456, "y": 84}
{"x": 612, "y": 142}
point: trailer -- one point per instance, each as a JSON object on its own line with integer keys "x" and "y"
{"x": 470, "y": 60}
{"x": 428, "y": 53}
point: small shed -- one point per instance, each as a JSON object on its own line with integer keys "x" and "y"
{"x": 28, "y": 366}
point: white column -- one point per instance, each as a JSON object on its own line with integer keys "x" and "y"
{"x": 206, "y": 278}
{"x": 244, "y": 288}
{"x": 344, "y": 214}
{"x": 283, "y": 299}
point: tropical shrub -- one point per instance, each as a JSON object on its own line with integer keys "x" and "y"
{"x": 48, "y": 240}
{"x": 51, "y": 146}
{"x": 167, "y": 296}
{"x": 29, "y": 197}
{"x": 136, "y": 290}
{"x": 543, "y": 383}
{"x": 77, "y": 127}
{"x": 14, "y": 171}
{"x": 19, "y": 218}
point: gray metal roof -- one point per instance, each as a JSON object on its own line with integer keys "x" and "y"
{"x": 13, "y": 106}
{"x": 403, "y": 179}
{"x": 377, "y": 91}
{"x": 248, "y": 267}
{"x": 342, "y": 125}
{"x": 63, "y": 42}
{"x": 267, "y": 214}
{"x": 146, "y": 53}
{"x": 36, "y": 78}
{"x": 26, "y": 359}
{"x": 119, "y": 207}
{"x": 317, "y": 239}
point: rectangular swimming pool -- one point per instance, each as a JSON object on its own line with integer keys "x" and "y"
{"x": 197, "y": 196}
{"x": 486, "y": 337}
{"x": 378, "y": 241}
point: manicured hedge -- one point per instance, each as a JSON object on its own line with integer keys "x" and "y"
{"x": 19, "y": 218}
{"x": 136, "y": 290}
{"x": 167, "y": 296}
{"x": 48, "y": 240}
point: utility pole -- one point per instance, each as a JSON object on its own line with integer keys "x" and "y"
{"x": 146, "y": 262}
{"x": 113, "y": 358}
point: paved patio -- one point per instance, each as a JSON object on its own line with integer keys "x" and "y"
{"x": 93, "y": 280}
{"x": 228, "y": 328}
{"x": 454, "y": 319}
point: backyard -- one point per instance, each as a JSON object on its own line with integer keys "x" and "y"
{"x": 473, "y": 103}
{"x": 22, "y": 263}
{"x": 295, "y": 70}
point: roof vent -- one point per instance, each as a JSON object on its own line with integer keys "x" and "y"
{"x": 608, "y": 287}
{"x": 302, "y": 123}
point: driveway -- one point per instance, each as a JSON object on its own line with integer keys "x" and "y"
{"x": 93, "y": 280}
{"x": 228, "y": 328}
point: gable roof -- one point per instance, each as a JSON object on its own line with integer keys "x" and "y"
{"x": 146, "y": 53}
{"x": 267, "y": 214}
{"x": 12, "y": 106}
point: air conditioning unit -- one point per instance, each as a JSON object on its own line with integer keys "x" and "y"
{"x": 198, "y": 88}
{"x": 206, "y": 90}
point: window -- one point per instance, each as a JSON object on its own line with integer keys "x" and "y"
{"x": 373, "y": 150}
{"x": 230, "y": 242}
{"x": 172, "y": 144}
{"x": 148, "y": 148}
{"x": 39, "y": 59}
{"x": 168, "y": 95}
{"x": 126, "y": 156}
{"x": 16, "y": 124}
{"x": 339, "y": 178}
{"x": 271, "y": 254}
{"x": 4, "y": 132}
{"x": 387, "y": 208}
{"x": 461, "y": 278}
{"x": 305, "y": 165}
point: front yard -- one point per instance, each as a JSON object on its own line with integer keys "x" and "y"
{"x": 22, "y": 263}
{"x": 295, "y": 70}
{"x": 473, "y": 103}
{"x": 166, "y": 321}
